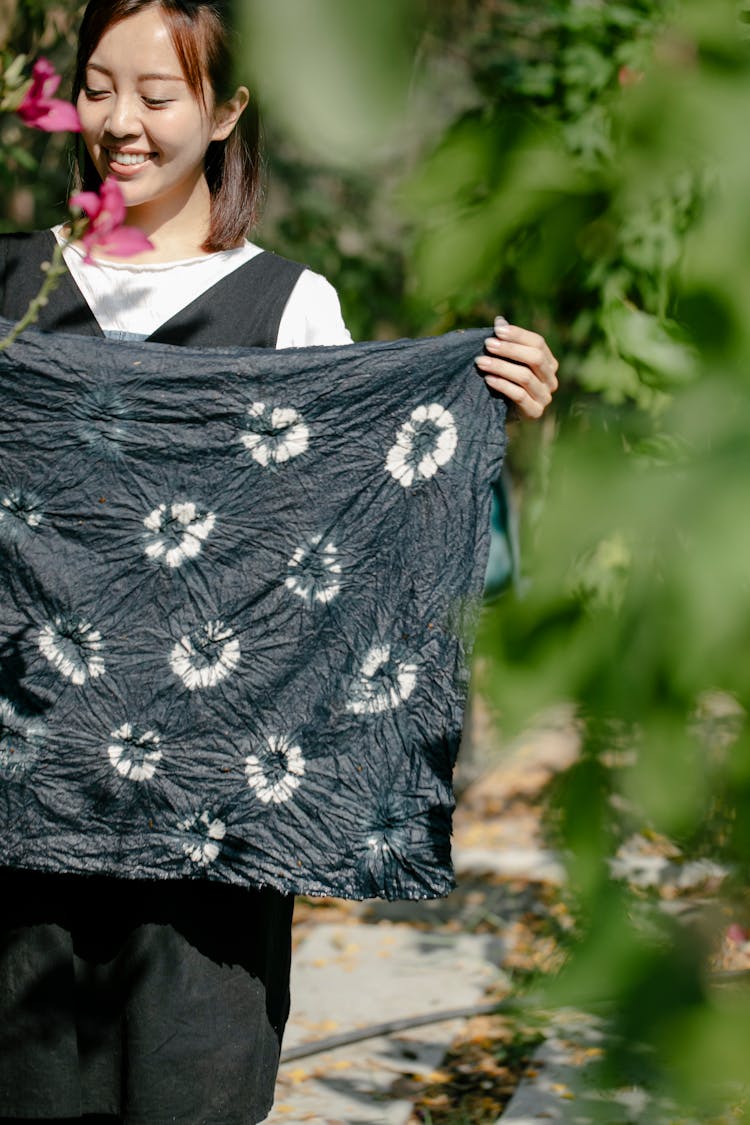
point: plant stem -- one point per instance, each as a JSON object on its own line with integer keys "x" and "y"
{"x": 53, "y": 272}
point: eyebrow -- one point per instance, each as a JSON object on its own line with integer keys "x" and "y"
{"x": 141, "y": 77}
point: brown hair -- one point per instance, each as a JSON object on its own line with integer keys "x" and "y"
{"x": 202, "y": 40}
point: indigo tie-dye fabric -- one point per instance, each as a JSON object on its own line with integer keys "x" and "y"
{"x": 234, "y": 593}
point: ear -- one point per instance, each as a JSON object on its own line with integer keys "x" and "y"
{"x": 228, "y": 113}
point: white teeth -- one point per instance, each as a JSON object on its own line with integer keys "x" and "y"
{"x": 129, "y": 157}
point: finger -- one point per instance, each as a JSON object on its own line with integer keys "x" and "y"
{"x": 528, "y": 406}
{"x": 517, "y": 334}
{"x": 540, "y": 360}
{"x": 526, "y": 384}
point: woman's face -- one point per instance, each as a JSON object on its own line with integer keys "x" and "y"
{"x": 140, "y": 121}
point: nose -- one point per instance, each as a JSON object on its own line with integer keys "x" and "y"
{"x": 122, "y": 118}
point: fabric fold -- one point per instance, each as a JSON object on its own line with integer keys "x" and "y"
{"x": 236, "y": 589}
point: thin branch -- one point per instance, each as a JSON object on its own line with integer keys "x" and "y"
{"x": 53, "y": 271}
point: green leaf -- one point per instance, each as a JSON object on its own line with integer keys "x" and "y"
{"x": 657, "y": 348}
{"x": 336, "y": 73}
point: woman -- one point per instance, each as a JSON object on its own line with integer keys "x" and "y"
{"x": 119, "y": 998}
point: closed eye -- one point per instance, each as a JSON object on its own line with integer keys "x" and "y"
{"x": 154, "y": 103}
{"x": 94, "y": 94}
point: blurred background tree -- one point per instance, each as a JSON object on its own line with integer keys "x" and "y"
{"x": 580, "y": 166}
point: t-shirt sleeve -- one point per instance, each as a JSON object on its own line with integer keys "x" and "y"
{"x": 312, "y": 315}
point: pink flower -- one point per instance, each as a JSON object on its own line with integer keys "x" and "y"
{"x": 40, "y": 110}
{"x": 736, "y": 934}
{"x": 106, "y": 213}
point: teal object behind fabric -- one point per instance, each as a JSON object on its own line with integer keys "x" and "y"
{"x": 236, "y": 589}
{"x": 502, "y": 562}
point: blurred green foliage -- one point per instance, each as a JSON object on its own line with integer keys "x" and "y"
{"x": 638, "y": 608}
{"x": 580, "y": 166}
{"x": 36, "y": 167}
{"x": 587, "y": 178}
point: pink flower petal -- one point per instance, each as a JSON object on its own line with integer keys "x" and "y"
{"x": 88, "y": 202}
{"x": 40, "y": 110}
{"x": 44, "y": 80}
{"x": 126, "y": 241}
{"x": 43, "y": 68}
{"x": 106, "y": 212}
{"x": 737, "y": 934}
{"x": 52, "y": 116}
{"x": 113, "y": 204}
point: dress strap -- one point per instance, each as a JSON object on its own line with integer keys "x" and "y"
{"x": 242, "y": 309}
{"x": 21, "y": 277}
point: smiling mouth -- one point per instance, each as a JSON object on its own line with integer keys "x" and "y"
{"x": 128, "y": 158}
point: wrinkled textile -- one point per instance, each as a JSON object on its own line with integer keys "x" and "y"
{"x": 236, "y": 586}
{"x": 151, "y": 1001}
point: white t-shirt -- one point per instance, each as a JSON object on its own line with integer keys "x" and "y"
{"x": 136, "y": 298}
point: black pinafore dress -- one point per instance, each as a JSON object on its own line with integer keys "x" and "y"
{"x": 147, "y": 1002}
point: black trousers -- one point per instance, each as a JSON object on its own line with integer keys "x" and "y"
{"x": 88, "y": 1119}
{"x": 146, "y": 1002}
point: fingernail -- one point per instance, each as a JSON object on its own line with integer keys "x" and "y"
{"x": 483, "y": 361}
{"x": 500, "y": 322}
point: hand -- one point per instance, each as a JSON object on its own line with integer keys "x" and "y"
{"x": 531, "y": 380}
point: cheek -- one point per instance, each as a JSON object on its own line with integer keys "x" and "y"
{"x": 88, "y": 121}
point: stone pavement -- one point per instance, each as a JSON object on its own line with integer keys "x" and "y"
{"x": 359, "y": 973}
{"x": 392, "y": 960}
{"x": 553, "y": 1087}
{"x": 354, "y": 974}
{"x": 560, "y": 1085}
{"x": 346, "y": 977}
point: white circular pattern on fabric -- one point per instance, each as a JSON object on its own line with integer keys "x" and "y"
{"x": 73, "y": 647}
{"x": 134, "y": 756}
{"x": 424, "y": 443}
{"x": 177, "y": 532}
{"x": 274, "y": 434}
{"x": 382, "y": 683}
{"x": 20, "y": 740}
{"x": 378, "y": 847}
{"x": 205, "y": 836}
{"x": 205, "y": 657}
{"x": 19, "y": 505}
{"x": 314, "y": 572}
{"x": 276, "y": 772}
